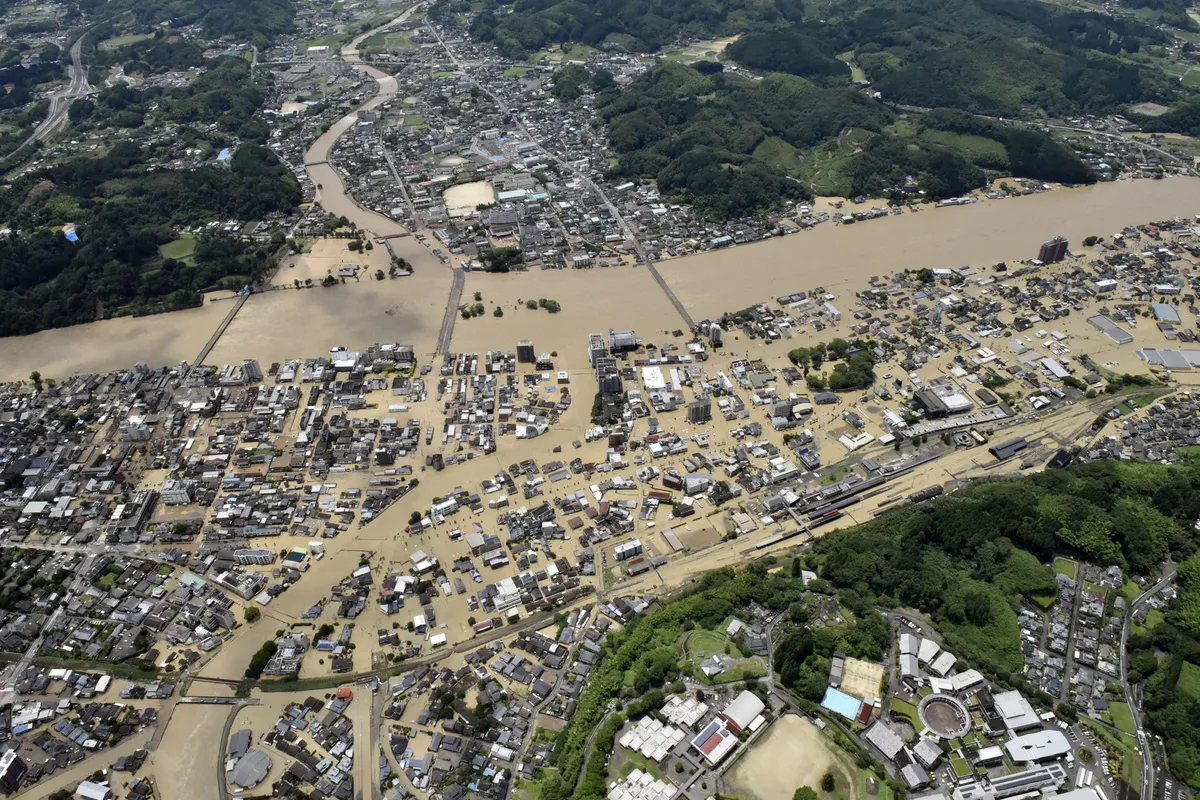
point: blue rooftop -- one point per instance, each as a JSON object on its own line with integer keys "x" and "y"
{"x": 223, "y": 155}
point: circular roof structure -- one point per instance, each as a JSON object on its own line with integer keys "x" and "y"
{"x": 944, "y": 716}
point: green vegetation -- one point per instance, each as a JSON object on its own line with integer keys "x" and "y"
{"x": 1189, "y": 680}
{"x": 257, "y": 21}
{"x": 1065, "y": 566}
{"x": 1122, "y": 718}
{"x": 733, "y": 146}
{"x": 225, "y": 95}
{"x": 855, "y": 368}
{"x": 122, "y": 215}
{"x": 908, "y": 711}
{"x": 1125, "y": 757}
{"x": 968, "y": 559}
{"x": 803, "y": 656}
{"x": 639, "y": 27}
{"x": 258, "y": 662}
{"x": 181, "y": 248}
{"x": 501, "y": 259}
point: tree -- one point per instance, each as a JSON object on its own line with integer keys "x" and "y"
{"x": 252, "y": 614}
{"x": 804, "y": 793}
{"x": 828, "y": 783}
{"x": 497, "y": 312}
{"x": 977, "y": 606}
{"x": 379, "y": 275}
{"x": 36, "y": 378}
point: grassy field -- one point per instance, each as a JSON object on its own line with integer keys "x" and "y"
{"x": 856, "y": 73}
{"x": 1189, "y": 680}
{"x": 330, "y": 40}
{"x": 1192, "y": 78}
{"x": 826, "y": 169}
{"x": 1121, "y": 718}
{"x": 122, "y": 41}
{"x": 180, "y": 249}
{"x": 702, "y": 644}
{"x": 384, "y": 42}
{"x": 1065, "y": 566}
{"x": 531, "y": 789}
{"x": 779, "y": 154}
{"x": 975, "y": 148}
{"x": 908, "y": 711}
{"x": 1153, "y": 618}
{"x": 626, "y": 761}
{"x": 1130, "y": 591}
{"x": 516, "y": 72}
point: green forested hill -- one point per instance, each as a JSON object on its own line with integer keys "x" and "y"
{"x": 734, "y": 146}
{"x": 122, "y": 215}
{"x": 969, "y": 559}
{"x": 997, "y": 57}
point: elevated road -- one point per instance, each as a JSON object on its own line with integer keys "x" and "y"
{"x": 60, "y": 101}
{"x": 212, "y": 342}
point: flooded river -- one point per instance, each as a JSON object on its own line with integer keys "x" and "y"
{"x": 840, "y": 259}
{"x": 843, "y": 258}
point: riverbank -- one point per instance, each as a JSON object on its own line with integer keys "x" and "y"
{"x": 842, "y": 259}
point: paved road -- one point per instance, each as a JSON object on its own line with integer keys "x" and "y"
{"x": 1135, "y": 711}
{"x": 451, "y": 315}
{"x": 13, "y": 673}
{"x": 1130, "y": 140}
{"x": 212, "y": 341}
{"x": 586, "y": 179}
{"x": 60, "y": 102}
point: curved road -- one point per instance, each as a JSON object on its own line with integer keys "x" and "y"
{"x": 60, "y": 102}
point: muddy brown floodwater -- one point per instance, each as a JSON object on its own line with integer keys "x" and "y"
{"x": 980, "y": 234}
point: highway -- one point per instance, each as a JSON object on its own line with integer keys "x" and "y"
{"x": 1148, "y": 770}
{"x": 60, "y": 101}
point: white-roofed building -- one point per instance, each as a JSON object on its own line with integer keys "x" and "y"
{"x": 885, "y": 739}
{"x": 642, "y": 786}
{"x": 942, "y": 665}
{"x": 928, "y": 651}
{"x": 742, "y": 710}
{"x": 1046, "y": 745}
{"x": 1015, "y": 710}
{"x": 685, "y": 713}
{"x": 987, "y": 756}
{"x": 651, "y": 738}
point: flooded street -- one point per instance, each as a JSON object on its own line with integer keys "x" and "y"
{"x": 306, "y": 323}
